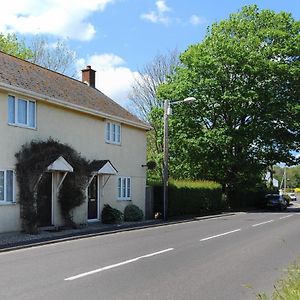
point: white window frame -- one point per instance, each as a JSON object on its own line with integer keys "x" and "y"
{"x": 17, "y": 123}
{"x": 5, "y": 201}
{"x": 127, "y": 187}
{"x": 111, "y": 136}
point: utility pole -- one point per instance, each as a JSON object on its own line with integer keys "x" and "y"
{"x": 166, "y": 158}
{"x": 283, "y": 182}
{"x": 167, "y": 113}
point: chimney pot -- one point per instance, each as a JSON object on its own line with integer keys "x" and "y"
{"x": 89, "y": 76}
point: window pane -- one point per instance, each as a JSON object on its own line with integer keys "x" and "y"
{"x": 11, "y": 109}
{"x": 119, "y": 188}
{"x": 118, "y": 134}
{"x": 9, "y": 186}
{"x": 31, "y": 114}
{"x": 22, "y": 111}
{"x": 107, "y": 131}
{"x": 1, "y": 185}
{"x": 128, "y": 188}
{"x": 123, "y": 187}
{"x": 113, "y": 132}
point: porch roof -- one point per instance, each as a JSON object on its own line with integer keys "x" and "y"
{"x": 103, "y": 167}
{"x": 60, "y": 165}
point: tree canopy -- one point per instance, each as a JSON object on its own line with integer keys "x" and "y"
{"x": 10, "y": 44}
{"x": 56, "y": 56}
{"x": 144, "y": 102}
{"x": 293, "y": 175}
{"x": 245, "y": 77}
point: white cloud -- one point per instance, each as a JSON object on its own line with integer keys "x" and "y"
{"x": 112, "y": 77}
{"x": 158, "y": 16}
{"x": 162, "y": 6}
{"x": 197, "y": 20}
{"x": 64, "y": 18}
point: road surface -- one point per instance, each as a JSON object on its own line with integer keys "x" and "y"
{"x": 232, "y": 257}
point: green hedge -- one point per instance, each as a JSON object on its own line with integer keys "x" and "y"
{"x": 250, "y": 197}
{"x": 190, "y": 198}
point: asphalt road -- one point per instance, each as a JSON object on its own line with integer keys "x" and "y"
{"x": 232, "y": 257}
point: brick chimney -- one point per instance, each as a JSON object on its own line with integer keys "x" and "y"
{"x": 89, "y": 76}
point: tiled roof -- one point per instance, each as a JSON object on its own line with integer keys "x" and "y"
{"x": 22, "y": 74}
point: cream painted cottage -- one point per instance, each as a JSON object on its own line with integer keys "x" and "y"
{"x": 35, "y": 104}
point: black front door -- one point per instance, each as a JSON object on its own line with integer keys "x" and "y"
{"x": 93, "y": 199}
{"x": 44, "y": 200}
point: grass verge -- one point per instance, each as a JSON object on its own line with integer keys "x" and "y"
{"x": 287, "y": 288}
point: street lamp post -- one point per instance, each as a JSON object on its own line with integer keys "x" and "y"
{"x": 167, "y": 113}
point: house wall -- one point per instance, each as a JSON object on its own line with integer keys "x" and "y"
{"x": 86, "y": 134}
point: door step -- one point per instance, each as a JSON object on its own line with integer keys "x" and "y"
{"x": 49, "y": 228}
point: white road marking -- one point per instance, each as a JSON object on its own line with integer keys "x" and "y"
{"x": 285, "y": 217}
{"x": 117, "y": 265}
{"x": 262, "y": 223}
{"x": 221, "y": 234}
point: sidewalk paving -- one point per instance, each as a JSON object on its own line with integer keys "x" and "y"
{"x": 19, "y": 240}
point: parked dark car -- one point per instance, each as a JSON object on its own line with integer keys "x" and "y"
{"x": 276, "y": 201}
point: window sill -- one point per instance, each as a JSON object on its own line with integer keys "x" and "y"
{"x": 21, "y": 126}
{"x": 112, "y": 143}
{"x": 2, "y": 203}
{"x": 124, "y": 199}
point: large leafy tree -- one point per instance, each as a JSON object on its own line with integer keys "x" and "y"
{"x": 245, "y": 76}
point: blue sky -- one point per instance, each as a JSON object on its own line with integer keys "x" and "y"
{"x": 117, "y": 37}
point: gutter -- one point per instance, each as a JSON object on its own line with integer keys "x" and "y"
{"x": 72, "y": 106}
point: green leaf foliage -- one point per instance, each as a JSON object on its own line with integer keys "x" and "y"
{"x": 245, "y": 77}
{"x": 288, "y": 288}
{"x": 10, "y": 44}
{"x": 293, "y": 176}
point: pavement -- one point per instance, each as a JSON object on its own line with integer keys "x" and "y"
{"x": 18, "y": 240}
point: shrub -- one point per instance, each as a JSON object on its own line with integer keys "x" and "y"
{"x": 111, "y": 215}
{"x": 133, "y": 213}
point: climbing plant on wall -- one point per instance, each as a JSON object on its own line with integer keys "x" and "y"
{"x": 32, "y": 162}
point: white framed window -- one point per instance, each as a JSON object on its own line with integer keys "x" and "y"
{"x": 113, "y": 133}
{"x": 7, "y": 186}
{"x": 21, "y": 112}
{"x": 124, "y": 188}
